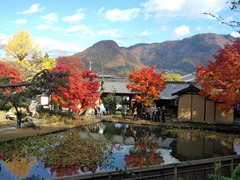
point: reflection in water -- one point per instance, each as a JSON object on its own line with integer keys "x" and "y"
{"x": 236, "y": 145}
{"x": 73, "y": 153}
{"x": 144, "y": 153}
{"x": 20, "y": 167}
{"x": 101, "y": 146}
{"x": 188, "y": 147}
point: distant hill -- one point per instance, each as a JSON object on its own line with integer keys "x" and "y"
{"x": 179, "y": 56}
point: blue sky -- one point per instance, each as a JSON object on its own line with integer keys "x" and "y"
{"x": 63, "y": 27}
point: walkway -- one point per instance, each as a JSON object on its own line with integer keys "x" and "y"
{"x": 6, "y": 125}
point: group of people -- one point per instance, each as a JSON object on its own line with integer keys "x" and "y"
{"x": 101, "y": 110}
{"x": 153, "y": 113}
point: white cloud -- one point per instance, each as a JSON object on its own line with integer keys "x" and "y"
{"x": 122, "y": 15}
{"x": 20, "y": 21}
{"x": 86, "y": 34}
{"x": 57, "y": 48}
{"x": 33, "y": 9}
{"x": 145, "y": 33}
{"x": 75, "y": 28}
{"x": 43, "y": 26}
{"x": 3, "y": 39}
{"x": 144, "y": 36}
{"x": 235, "y": 34}
{"x": 184, "y": 8}
{"x": 113, "y": 33}
{"x": 75, "y": 17}
{"x": 181, "y": 31}
{"x": 50, "y": 18}
{"x": 100, "y": 11}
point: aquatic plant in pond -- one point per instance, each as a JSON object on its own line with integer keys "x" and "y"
{"x": 63, "y": 155}
{"x": 73, "y": 153}
{"x": 21, "y": 154}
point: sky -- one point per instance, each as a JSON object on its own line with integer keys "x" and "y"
{"x": 65, "y": 27}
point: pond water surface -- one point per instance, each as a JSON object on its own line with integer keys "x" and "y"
{"x": 102, "y": 147}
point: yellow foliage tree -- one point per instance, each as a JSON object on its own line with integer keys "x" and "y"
{"x": 47, "y": 62}
{"x": 21, "y": 45}
{"x": 172, "y": 77}
{"x": 26, "y": 52}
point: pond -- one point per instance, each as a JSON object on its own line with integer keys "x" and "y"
{"x": 103, "y": 147}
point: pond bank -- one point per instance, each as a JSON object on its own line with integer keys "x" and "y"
{"x": 44, "y": 127}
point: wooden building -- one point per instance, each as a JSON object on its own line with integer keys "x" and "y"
{"x": 194, "y": 107}
{"x": 181, "y": 99}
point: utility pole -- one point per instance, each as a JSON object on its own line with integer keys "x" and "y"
{"x": 90, "y": 65}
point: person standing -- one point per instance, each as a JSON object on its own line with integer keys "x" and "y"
{"x": 164, "y": 113}
{"x": 154, "y": 113}
{"x": 148, "y": 113}
{"x": 124, "y": 111}
{"x": 135, "y": 114}
{"x": 101, "y": 107}
{"x": 158, "y": 114}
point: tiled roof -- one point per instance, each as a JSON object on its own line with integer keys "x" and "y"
{"x": 191, "y": 87}
{"x": 189, "y": 77}
{"x": 116, "y": 87}
{"x": 171, "y": 87}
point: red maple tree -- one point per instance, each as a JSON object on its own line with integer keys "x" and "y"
{"x": 80, "y": 92}
{"x": 146, "y": 84}
{"x": 9, "y": 75}
{"x": 220, "y": 79}
{"x": 74, "y": 63}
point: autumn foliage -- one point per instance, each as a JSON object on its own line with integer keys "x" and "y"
{"x": 220, "y": 79}
{"x": 74, "y": 63}
{"x": 146, "y": 84}
{"x": 21, "y": 45}
{"x": 8, "y": 75}
{"x": 143, "y": 154}
{"x": 80, "y": 90}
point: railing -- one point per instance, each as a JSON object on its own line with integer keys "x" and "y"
{"x": 190, "y": 170}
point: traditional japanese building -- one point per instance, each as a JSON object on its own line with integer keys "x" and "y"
{"x": 181, "y": 99}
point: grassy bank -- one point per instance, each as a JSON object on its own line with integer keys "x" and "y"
{"x": 49, "y": 126}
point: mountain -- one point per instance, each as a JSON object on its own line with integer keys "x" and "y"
{"x": 108, "y": 57}
{"x": 179, "y": 56}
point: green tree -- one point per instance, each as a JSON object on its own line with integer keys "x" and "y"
{"x": 218, "y": 176}
{"x": 110, "y": 99}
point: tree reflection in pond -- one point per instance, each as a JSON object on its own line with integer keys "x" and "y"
{"x": 145, "y": 151}
{"x": 64, "y": 155}
{"x": 73, "y": 153}
{"x": 103, "y": 146}
{"x": 143, "y": 154}
{"x": 21, "y": 154}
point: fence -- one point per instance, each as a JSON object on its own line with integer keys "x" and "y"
{"x": 190, "y": 170}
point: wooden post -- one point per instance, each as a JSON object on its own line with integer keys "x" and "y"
{"x": 205, "y": 104}
{"x": 175, "y": 172}
{"x": 191, "y": 109}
